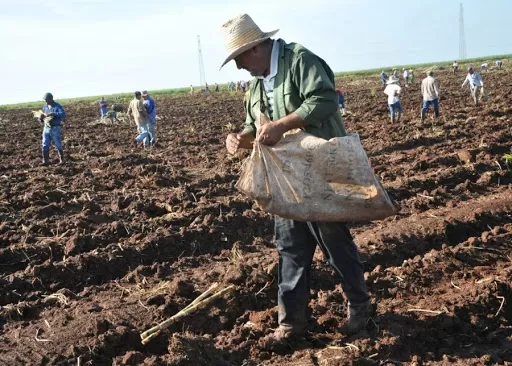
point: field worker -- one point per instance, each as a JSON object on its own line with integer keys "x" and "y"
{"x": 141, "y": 118}
{"x": 395, "y": 73}
{"x": 499, "y": 63}
{"x": 112, "y": 113}
{"x": 411, "y": 72}
{"x": 430, "y": 92}
{"x": 455, "y": 66}
{"x": 341, "y": 101}
{"x": 52, "y": 130}
{"x": 476, "y": 85}
{"x": 150, "y": 106}
{"x": 406, "y": 76}
{"x": 392, "y": 90}
{"x": 484, "y": 66}
{"x": 383, "y": 77}
{"x": 310, "y": 103}
{"x": 103, "y": 108}
{"x": 191, "y": 89}
{"x": 216, "y": 87}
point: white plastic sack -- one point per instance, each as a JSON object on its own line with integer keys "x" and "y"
{"x": 307, "y": 178}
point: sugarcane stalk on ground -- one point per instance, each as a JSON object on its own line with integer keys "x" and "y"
{"x": 200, "y": 301}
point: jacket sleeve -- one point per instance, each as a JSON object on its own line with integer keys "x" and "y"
{"x": 59, "y": 113}
{"x": 150, "y": 106}
{"x": 316, "y": 89}
{"x": 250, "y": 119}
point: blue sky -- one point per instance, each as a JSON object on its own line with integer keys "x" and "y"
{"x": 92, "y": 47}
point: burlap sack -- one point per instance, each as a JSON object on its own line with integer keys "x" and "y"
{"x": 307, "y": 178}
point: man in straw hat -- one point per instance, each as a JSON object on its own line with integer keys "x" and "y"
{"x": 294, "y": 88}
{"x": 392, "y": 90}
{"x": 430, "y": 92}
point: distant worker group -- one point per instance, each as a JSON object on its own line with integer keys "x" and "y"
{"x": 430, "y": 88}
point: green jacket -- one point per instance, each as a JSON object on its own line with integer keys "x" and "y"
{"x": 304, "y": 84}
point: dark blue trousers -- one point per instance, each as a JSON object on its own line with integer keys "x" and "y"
{"x": 296, "y": 243}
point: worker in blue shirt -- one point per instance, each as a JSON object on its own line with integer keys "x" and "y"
{"x": 383, "y": 77}
{"x": 103, "y": 108}
{"x": 52, "y": 117}
{"x": 150, "y": 106}
{"x": 341, "y": 101}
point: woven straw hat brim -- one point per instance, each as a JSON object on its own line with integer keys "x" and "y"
{"x": 247, "y": 46}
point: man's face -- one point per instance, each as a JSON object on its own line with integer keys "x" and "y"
{"x": 49, "y": 100}
{"x": 471, "y": 71}
{"x": 252, "y": 60}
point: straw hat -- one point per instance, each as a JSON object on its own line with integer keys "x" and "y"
{"x": 241, "y": 34}
{"x": 392, "y": 80}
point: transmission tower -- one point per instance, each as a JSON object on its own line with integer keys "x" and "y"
{"x": 202, "y": 78}
{"x": 462, "y": 38}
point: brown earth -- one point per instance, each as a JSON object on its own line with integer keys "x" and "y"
{"x": 96, "y": 251}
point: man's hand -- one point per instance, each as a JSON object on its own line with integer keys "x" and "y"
{"x": 270, "y": 134}
{"x": 233, "y": 142}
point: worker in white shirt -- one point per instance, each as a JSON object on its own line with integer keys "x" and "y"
{"x": 499, "y": 63}
{"x": 430, "y": 93}
{"x": 406, "y": 76}
{"x": 476, "y": 85}
{"x": 455, "y": 66}
{"x": 392, "y": 90}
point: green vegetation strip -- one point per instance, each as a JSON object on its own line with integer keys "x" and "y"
{"x": 125, "y": 97}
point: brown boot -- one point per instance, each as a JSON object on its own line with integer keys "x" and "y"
{"x": 358, "y": 318}
{"x": 46, "y": 157}
{"x": 61, "y": 157}
{"x": 282, "y": 337}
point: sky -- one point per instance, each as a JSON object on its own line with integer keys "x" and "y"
{"x": 76, "y": 48}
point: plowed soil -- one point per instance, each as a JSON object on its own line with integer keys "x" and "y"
{"x": 119, "y": 238}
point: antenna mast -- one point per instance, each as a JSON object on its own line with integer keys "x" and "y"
{"x": 462, "y": 38}
{"x": 202, "y": 78}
